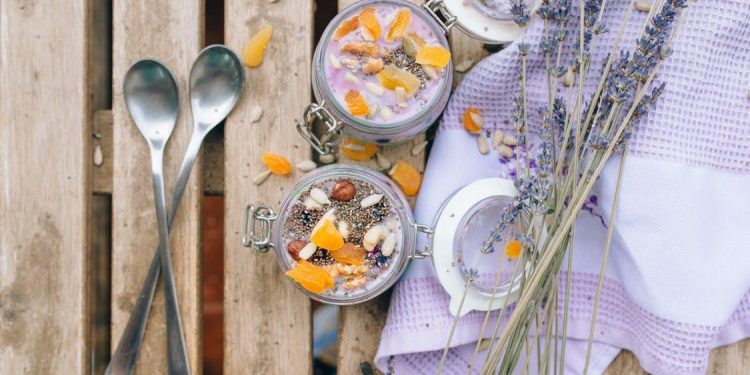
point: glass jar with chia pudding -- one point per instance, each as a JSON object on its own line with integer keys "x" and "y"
{"x": 382, "y": 70}
{"x": 346, "y": 233}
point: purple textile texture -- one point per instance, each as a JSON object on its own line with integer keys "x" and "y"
{"x": 699, "y": 128}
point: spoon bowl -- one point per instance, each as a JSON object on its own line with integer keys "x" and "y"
{"x": 152, "y": 99}
{"x": 216, "y": 80}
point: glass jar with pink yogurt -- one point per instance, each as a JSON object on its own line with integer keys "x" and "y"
{"x": 382, "y": 71}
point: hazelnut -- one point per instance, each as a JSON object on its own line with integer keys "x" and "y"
{"x": 343, "y": 191}
{"x": 294, "y": 248}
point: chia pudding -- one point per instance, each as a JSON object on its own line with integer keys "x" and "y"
{"x": 385, "y": 63}
{"x": 342, "y": 236}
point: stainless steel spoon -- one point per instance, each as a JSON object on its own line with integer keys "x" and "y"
{"x": 216, "y": 81}
{"x": 151, "y": 95}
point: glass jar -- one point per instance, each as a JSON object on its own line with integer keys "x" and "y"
{"x": 382, "y": 70}
{"x": 350, "y": 263}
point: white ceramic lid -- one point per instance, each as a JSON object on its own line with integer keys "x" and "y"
{"x": 474, "y": 19}
{"x": 460, "y": 226}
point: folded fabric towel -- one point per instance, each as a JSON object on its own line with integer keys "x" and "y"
{"x": 677, "y": 281}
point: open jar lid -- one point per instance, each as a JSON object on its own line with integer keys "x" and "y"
{"x": 489, "y": 21}
{"x": 461, "y": 225}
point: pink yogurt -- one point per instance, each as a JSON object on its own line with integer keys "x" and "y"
{"x": 339, "y": 86}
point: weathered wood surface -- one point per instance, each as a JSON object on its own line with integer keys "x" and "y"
{"x": 45, "y": 193}
{"x": 267, "y": 326}
{"x": 170, "y": 31}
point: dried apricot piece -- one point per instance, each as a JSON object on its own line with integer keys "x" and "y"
{"x": 310, "y": 276}
{"x": 277, "y": 164}
{"x": 252, "y": 54}
{"x": 513, "y": 249}
{"x": 398, "y": 26}
{"x": 369, "y": 25}
{"x": 418, "y": 40}
{"x": 361, "y": 48}
{"x": 438, "y": 57}
{"x": 345, "y": 28}
{"x": 350, "y": 254}
{"x": 392, "y": 77}
{"x": 473, "y": 122}
{"x": 356, "y": 103}
{"x": 357, "y": 150}
{"x": 406, "y": 177}
{"x": 327, "y": 236}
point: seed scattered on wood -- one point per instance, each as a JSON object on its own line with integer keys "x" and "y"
{"x": 327, "y": 158}
{"x": 335, "y": 63}
{"x": 464, "y": 65}
{"x": 255, "y": 114}
{"x": 510, "y": 140}
{"x": 569, "y": 79}
{"x": 261, "y": 177}
{"x": 383, "y": 162}
{"x": 371, "y": 200}
{"x": 497, "y": 138}
{"x": 418, "y": 148}
{"x": 483, "y": 144}
{"x": 306, "y": 165}
{"x": 319, "y": 195}
{"x": 505, "y": 151}
{"x": 643, "y": 6}
{"x": 98, "y": 156}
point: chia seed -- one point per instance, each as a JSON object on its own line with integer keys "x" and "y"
{"x": 398, "y": 58}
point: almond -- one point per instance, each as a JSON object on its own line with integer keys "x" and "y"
{"x": 295, "y": 247}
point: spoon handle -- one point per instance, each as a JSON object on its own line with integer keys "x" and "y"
{"x": 177, "y": 361}
{"x": 124, "y": 358}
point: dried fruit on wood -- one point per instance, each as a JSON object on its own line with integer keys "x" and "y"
{"x": 406, "y": 177}
{"x": 311, "y": 277}
{"x": 357, "y": 150}
{"x": 252, "y": 54}
{"x": 277, "y": 164}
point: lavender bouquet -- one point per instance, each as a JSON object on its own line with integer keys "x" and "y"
{"x": 577, "y": 136}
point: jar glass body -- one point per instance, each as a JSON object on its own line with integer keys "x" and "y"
{"x": 406, "y": 239}
{"x": 360, "y": 127}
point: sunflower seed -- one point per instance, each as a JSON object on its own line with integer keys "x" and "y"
{"x": 389, "y": 244}
{"x": 374, "y": 88}
{"x": 335, "y": 63}
{"x": 483, "y": 144}
{"x": 343, "y": 228}
{"x": 255, "y": 114}
{"x": 371, "y": 200}
{"x": 98, "y": 156}
{"x": 383, "y": 162}
{"x": 643, "y": 6}
{"x": 386, "y": 113}
{"x": 510, "y": 140}
{"x": 261, "y": 177}
{"x": 505, "y": 151}
{"x": 497, "y": 138}
{"x": 569, "y": 79}
{"x": 351, "y": 78}
{"x": 312, "y": 204}
{"x": 327, "y": 158}
{"x": 306, "y": 165}
{"x": 418, "y": 148}
{"x": 307, "y": 251}
{"x": 320, "y": 196}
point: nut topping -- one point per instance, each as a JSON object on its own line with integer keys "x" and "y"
{"x": 343, "y": 191}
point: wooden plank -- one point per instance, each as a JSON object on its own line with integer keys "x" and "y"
{"x": 267, "y": 321}
{"x": 172, "y": 32}
{"x": 45, "y": 178}
{"x": 732, "y": 359}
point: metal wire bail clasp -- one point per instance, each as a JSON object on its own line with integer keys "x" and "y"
{"x": 256, "y": 229}
{"x": 427, "y": 250}
{"x": 331, "y": 137}
{"x": 441, "y": 14}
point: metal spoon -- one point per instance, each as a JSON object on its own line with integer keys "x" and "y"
{"x": 152, "y": 98}
{"x": 216, "y": 81}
